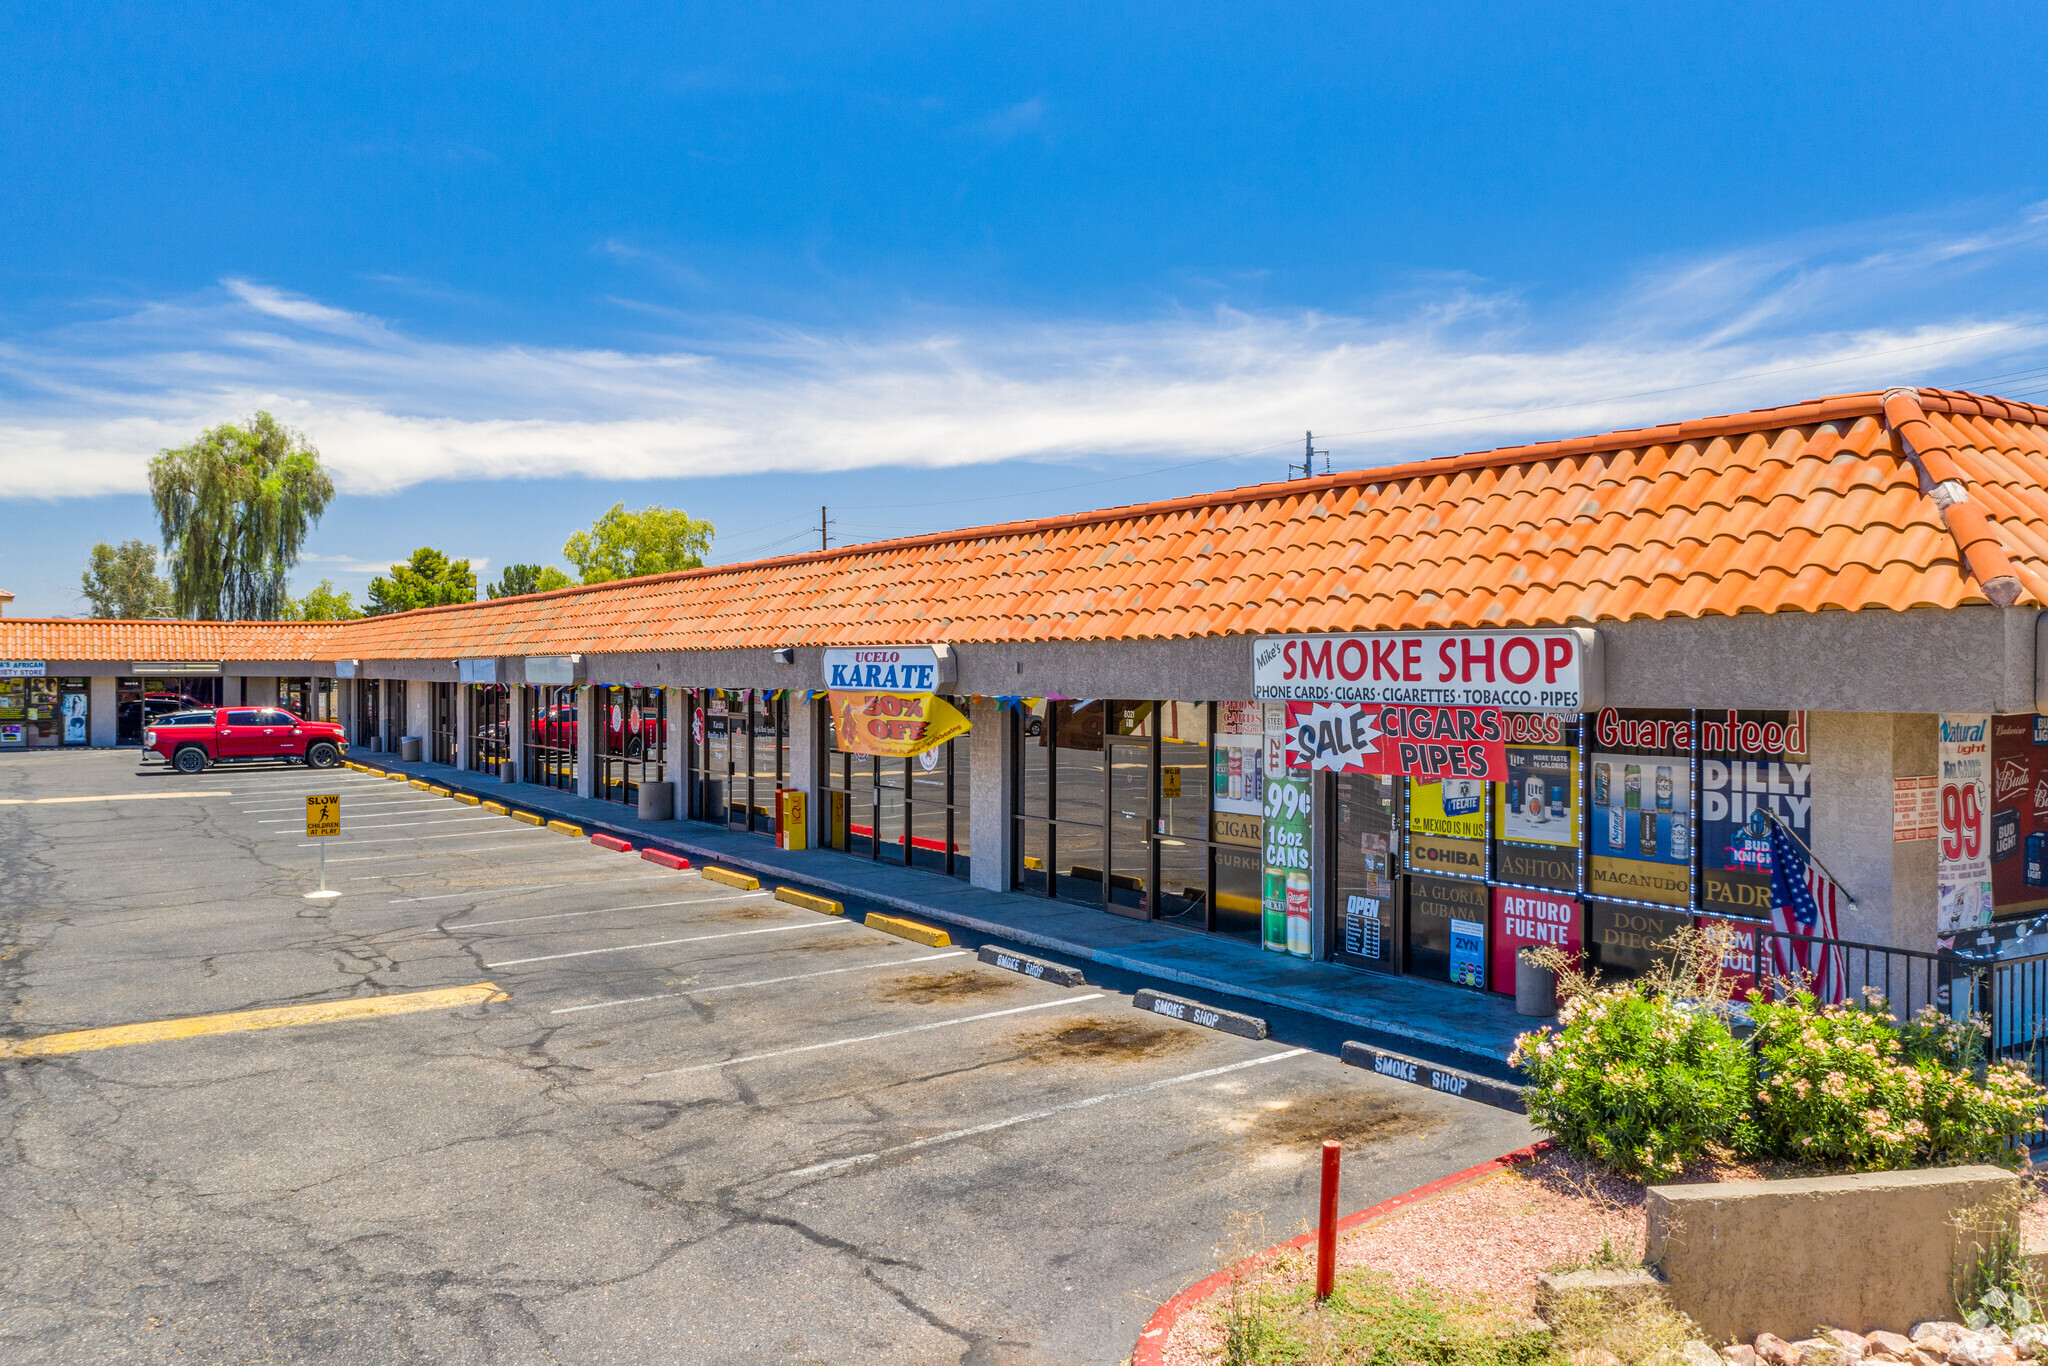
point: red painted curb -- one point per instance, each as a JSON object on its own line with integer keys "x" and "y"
{"x": 611, "y": 842}
{"x": 1152, "y": 1338}
{"x": 664, "y": 858}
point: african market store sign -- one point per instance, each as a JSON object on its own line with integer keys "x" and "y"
{"x": 894, "y": 725}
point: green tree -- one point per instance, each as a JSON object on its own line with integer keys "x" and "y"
{"x": 121, "y": 582}
{"x": 521, "y": 579}
{"x": 428, "y": 579}
{"x": 323, "y": 604}
{"x": 235, "y": 507}
{"x": 625, "y": 545}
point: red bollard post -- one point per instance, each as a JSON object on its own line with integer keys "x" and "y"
{"x": 1326, "y": 1231}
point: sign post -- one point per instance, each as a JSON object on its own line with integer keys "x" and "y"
{"x": 323, "y": 822}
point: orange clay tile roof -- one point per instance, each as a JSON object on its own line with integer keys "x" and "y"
{"x": 29, "y": 638}
{"x": 1810, "y": 507}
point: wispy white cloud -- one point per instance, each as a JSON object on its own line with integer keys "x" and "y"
{"x": 84, "y": 407}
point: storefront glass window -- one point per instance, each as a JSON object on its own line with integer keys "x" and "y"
{"x": 632, "y": 741}
{"x": 138, "y": 701}
{"x": 443, "y": 734}
{"x": 904, "y": 810}
{"x": 490, "y": 728}
{"x": 551, "y": 736}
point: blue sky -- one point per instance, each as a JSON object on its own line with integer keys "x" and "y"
{"x": 938, "y": 266}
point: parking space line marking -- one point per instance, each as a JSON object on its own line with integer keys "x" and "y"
{"x": 110, "y": 797}
{"x": 603, "y": 910}
{"x": 990, "y": 1127}
{"x": 664, "y": 943}
{"x": 401, "y": 825}
{"x": 241, "y": 1021}
{"x": 522, "y": 887}
{"x": 868, "y": 1038}
{"x": 401, "y": 839}
{"x": 475, "y": 849}
{"x": 762, "y": 982}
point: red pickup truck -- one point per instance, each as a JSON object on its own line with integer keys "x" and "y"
{"x": 190, "y": 740}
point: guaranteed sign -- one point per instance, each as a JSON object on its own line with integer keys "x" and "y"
{"x": 1415, "y": 742}
{"x": 1525, "y": 670}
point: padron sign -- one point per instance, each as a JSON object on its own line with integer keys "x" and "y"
{"x": 1416, "y": 742}
{"x": 1545, "y": 670}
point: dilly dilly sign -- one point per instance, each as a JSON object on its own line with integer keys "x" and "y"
{"x": 1525, "y": 670}
{"x": 885, "y": 668}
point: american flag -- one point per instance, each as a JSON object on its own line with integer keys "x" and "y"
{"x": 1804, "y": 900}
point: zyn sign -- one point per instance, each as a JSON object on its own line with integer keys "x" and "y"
{"x": 1548, "y": 670}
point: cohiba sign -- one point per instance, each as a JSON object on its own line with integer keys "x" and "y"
{"x": 1547, "y": 670}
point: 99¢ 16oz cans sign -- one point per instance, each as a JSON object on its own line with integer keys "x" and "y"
{"x": 1525, "y": 670}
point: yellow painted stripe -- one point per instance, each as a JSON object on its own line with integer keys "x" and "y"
{"x": 526, "y": 817}
{"x": 564, "y": 828}
{"x": 111, "y": 797}
{"x": 465, "y": 798}
{"x": 822, "y": 905}
{"x": 242, "y": 1021}
{"x": 909, "y": 929}
{"x": 742, "y": 881}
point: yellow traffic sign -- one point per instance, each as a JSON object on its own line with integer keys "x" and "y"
{"x": 323, "y": 816}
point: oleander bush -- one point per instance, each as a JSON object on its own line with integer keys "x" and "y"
{"x": 1847, "y": 1086}
{"x": 1640, "y": 1081}
{"x": 1647, "y": 1078}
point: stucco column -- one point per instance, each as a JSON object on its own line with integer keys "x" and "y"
{"x": 1857, "y": 756}
{"x": 677, "y": 769}
{"x": 515, "y": 734}
{"x": 989, "y": 827}
{"x": 103, "y": 702}
{"x": 419, "y": 715}
{"x": 587, "y": 722}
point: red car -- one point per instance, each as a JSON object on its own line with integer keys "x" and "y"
{"x": 190, "y": 740}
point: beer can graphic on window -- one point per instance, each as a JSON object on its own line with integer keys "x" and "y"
{"x": 1602, "y": 795}
{"x": 1534, "y": 803}
{"x": 1681, "y": 838}
{"x": 1664, "y": 787}
{"x": 1557, "y": 812}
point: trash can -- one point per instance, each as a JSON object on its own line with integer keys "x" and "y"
{"x": 1535, "y": 986}
{"x": 657, "y": 801}
{"x": 409, "y": 749}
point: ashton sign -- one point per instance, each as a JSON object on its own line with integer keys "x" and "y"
{"x": 1546, "y": 670}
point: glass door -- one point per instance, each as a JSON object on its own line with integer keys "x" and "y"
{"x": 1130, "y": 828}
{"x": 1363, "y": 896}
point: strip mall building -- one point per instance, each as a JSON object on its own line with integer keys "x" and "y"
{"x": 1405, "y": 719}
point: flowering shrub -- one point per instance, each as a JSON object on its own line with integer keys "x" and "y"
{"x": 1847, "y": 1086}
{"x": 1636, "y": 1080}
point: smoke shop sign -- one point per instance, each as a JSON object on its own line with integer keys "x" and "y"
{"x": 1533, "y": 670}
{"x": 888, "y": 668}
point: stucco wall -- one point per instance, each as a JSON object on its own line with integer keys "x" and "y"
{"x": 988, "y": 813}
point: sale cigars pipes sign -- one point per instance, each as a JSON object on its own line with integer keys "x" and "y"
{"x": 1963, "y": 854}
{"x": 1642, "y": 807}
{"x": 1416, "y": 742}
{"x": 1750, "y": 761}
{"x": 1525, "y": 919}
{"x": 892, "y": 725}
{"x": 1524, "y": 669}
{"x": 889, "y": 668}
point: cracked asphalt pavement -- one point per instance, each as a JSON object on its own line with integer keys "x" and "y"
{"x": 706, "y": 1126}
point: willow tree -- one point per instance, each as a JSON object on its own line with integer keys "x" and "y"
{"x": 235, "y": 507}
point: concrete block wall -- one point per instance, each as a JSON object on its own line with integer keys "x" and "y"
{"x": 989, "y": 828}
{"x": 1856, "y": 758}
{"x": 103, "y": 711}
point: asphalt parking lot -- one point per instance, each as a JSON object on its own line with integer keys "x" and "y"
{"x": 701, "y": 1125}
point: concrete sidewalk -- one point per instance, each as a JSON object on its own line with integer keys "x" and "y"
{"x": 1476, "y": 1029}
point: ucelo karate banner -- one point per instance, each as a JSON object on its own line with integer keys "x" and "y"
{"x": 894, "y": 725}
{"x": 1416, "y": 742}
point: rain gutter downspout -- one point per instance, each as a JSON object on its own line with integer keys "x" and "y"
{"x": 1975, "y": 536}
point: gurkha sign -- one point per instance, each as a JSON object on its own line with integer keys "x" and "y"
{"x": 1417, "y": 742}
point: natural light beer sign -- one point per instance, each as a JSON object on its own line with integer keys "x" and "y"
{"x": 1417, "y": 742}
{"x": 1525, "y": 670}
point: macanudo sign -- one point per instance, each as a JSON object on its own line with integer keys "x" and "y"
{"x": 1549, "y": 670}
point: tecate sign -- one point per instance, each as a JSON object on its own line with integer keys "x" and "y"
{"x": 1535, "y": 670}
{"x": 883, "y": 668}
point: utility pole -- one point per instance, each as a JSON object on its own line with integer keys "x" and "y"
{"x": 824, "y": 530}
{"x": 1308, "y": 457}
